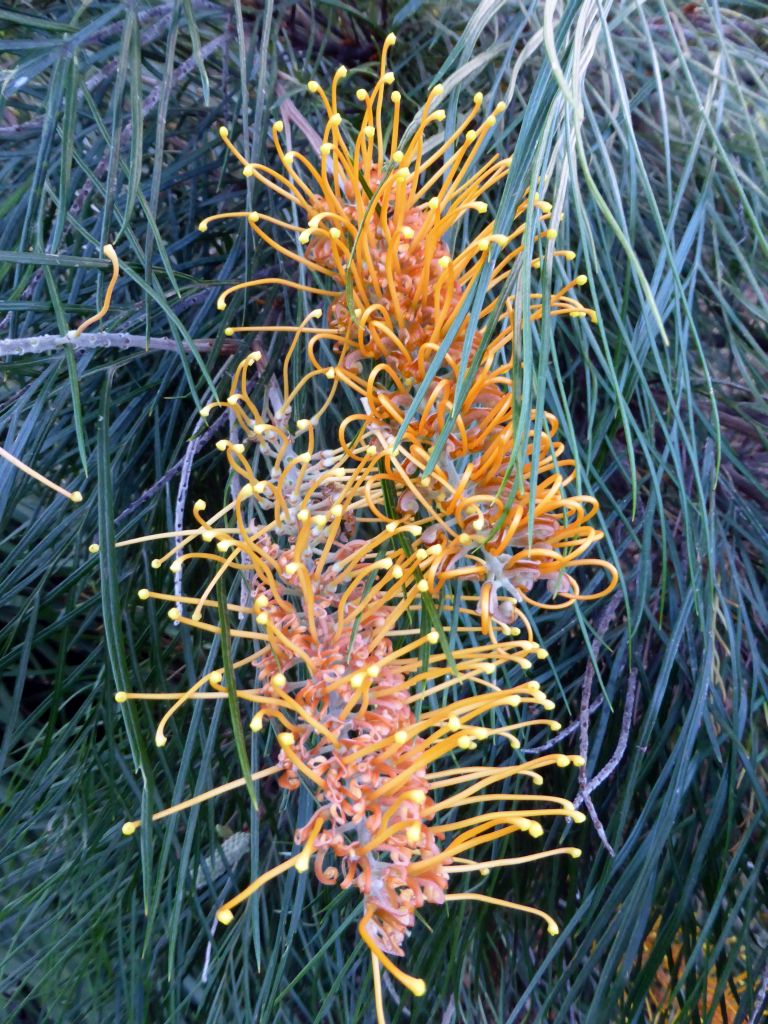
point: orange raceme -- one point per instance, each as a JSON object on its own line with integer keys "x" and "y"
{"x": 377, "y": 630}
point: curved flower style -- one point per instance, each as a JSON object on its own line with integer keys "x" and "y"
{"x": 333, "y": 666}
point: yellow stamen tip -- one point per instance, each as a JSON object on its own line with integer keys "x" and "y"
{"x": 418, "y": 987}
{"x": 433, "y": 636}
{"x": 550, "y": 233}
{"x": 278, "y": 126}
{"x": 361, "y": 94}
{"x": 279, "y": 680}
{"x": 155, "y": 563}
{"x": 391, "y": 39}
{"x": 313, "y": 86}
{"x": 225, "y": 916}
{"x": 580, "y": 280}
{"x": 553, "y": 929}
{"x": 302, "y": 863}
{"x": 578, "y": 761}
{"x": 174, "y": 614}
{"x": 143, "y": 594}
{"x": 93, "y": 549}
{"x": 401, "y": 736}
{"x": 160, "y": 740}
{"x": 121, "y": 697}
{"x": 223, "y": 132}
{"x": 128, "y": 828}
{"x": 257, "y": 723}
{"x": 286, "y": 739}
{"x": 76, "y": 497}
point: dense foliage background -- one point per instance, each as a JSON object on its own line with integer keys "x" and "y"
{"x": 650, "y": 124}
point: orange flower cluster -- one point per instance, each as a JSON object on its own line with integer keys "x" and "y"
{"x": 335, "y": 667}
{"x": 379, "y": 627}
{"x": 716, "y": 1002}
{"x": 377, "y": 220}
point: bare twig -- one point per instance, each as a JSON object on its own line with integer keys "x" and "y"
{"x": 762, "y": 996}
{"x": 584, "y": 715}
{"x": 215, "y": 428}
{"x": 181, "y": 500}
{"x": 449, "y": 1015}
{"x": 541, "y": 748}
{"x": 97, "y": 339}
{"x": 626, "y": 721}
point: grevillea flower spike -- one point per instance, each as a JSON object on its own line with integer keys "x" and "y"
{"x": 338, "y": 657}
{"x": 378, "y": 631}
{"x": 377, "y": 216}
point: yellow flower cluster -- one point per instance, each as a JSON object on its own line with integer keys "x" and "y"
{"x": 379, "y": 628}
